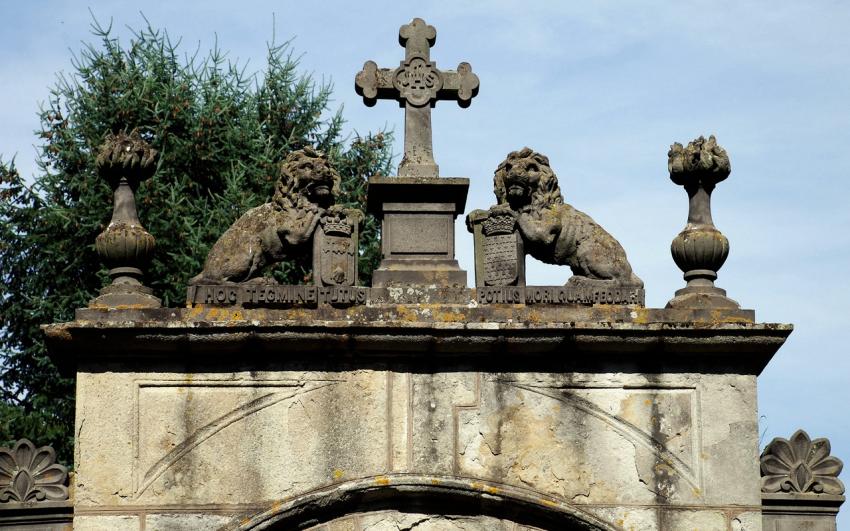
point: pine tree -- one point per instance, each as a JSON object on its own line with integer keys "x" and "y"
{"x": 220, "y": 132}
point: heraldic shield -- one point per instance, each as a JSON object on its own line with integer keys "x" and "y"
{"x": 335, "y": 250}
{"x": 502, "y": 251}
{"x": 499, "y": 254}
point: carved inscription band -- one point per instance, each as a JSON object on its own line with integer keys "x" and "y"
{"x": 268, "y": 296}
{"x": 560, "y": 295}
{"x": 276, "y": 296}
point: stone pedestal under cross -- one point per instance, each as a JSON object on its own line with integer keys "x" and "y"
{"x": 418, "y": 207}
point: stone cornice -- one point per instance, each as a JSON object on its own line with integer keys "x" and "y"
{"x": 624, "y": 338}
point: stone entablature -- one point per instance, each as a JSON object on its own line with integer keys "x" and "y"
{"x": 606, "y": 417}
{"x": 468, "y": 330}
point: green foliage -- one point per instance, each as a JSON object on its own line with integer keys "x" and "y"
{"x": 220, "y": 132}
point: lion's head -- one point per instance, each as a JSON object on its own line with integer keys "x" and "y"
{"x": 306, "y": 177}
{"x": 526, "y": 179}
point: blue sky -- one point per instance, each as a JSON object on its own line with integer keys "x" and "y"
{"x": 602, "y": 88}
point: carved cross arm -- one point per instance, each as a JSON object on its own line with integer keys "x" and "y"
{"x": 373, "y": 84}
{"x": 460, "y": 86}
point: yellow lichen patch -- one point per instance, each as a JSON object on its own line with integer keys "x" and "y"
{"x": 550, "y": 503}
{"x": 640, "y": 316}
{"x": 225, "y": 315}
{"x": 406, "y": 314}
{"x": 300, "y": 314}
{"x": 382, "y": 480}
{"x": 338, "y": 474}
{"x": 484, "y": 487}
{"x": 196, "y": 311}
{"x": 213, "y": 313}
{"x": 719, "y": 317}
{"x": 449, "y": 317}
{"x": 435, "y": 481}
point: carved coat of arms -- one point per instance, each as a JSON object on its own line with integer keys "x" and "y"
{"x": 499, "y": 254}
{"x": 502, "y": 254}
{"x": 335, "y": 249}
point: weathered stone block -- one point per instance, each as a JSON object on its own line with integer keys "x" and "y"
{"x": 185, "y": 522}
{"x": 394, "y": 521}
{"x": 746, "y": 521}
{"x": 696, "y": 520}
{"x": 417, "y": 230}
{"x": 106, "y": 523}
{"x": 628, "y": 518}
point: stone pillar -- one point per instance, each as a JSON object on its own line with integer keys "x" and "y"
{"x": 800, "y": 485}
{"x": 418, "y": 230}
{"x": 418, "y": 208}
{"x": 793, "y": 511}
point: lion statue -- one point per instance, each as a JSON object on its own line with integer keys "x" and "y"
{"x": 267, "y": 234}
{"x": 553, "y": 231}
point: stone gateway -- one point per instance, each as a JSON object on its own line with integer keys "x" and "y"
{"x": 418, "y": 402}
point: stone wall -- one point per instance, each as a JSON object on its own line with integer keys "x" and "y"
{"x": 187, "y": 424}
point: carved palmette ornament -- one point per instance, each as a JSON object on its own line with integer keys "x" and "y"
{"x": 800, "y": 465}
{"x": 30, "y": 474}
{"x": 335, "y": 249}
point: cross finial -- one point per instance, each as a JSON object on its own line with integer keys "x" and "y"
{"x": 417, "y": 85}
{"x": 417, "y": 38}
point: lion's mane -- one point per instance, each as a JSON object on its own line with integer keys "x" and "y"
{"x": 545, "y": 194}
{"x": 296, "y": 172}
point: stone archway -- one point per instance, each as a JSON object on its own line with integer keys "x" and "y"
{"x": 441, "y": 501}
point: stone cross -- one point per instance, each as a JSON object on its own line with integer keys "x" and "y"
{"x": 417, "y": 84}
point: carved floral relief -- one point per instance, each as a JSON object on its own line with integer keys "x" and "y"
{"x": 801, "y": 465}
{"x": 30, "y": 474}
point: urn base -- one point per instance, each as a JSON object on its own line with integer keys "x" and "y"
{"x": 702, "y": 297}
{"x": 126, "y": 296}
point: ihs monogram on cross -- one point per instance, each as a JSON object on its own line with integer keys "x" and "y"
{"x": 417, "y": 85}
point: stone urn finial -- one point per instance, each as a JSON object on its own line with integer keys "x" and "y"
{"x": 700, "y": 249}
{"x": 125, "y": 160}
